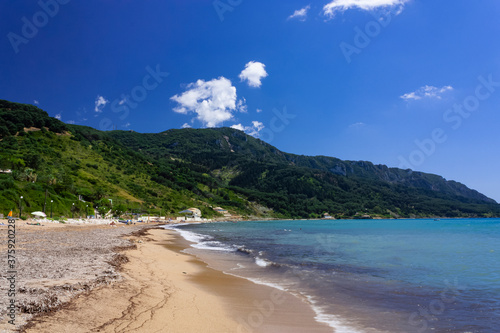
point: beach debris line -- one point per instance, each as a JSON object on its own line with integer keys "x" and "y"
{"x": 88, "y": 256}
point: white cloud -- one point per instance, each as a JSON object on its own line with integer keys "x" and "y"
{"x": 239, "y": 127}
{"x": 58, "y": 116}
{"x": 253, "y": 130}
{"x": 258, "y": 125}
{"x": 35, "y": 102}
{"x": 213, "y": 101}
{"x": 241, "y": 105}
{"x": 71, "y": 121}
{"x": 100, "y": 103}
{"x": 127, "y": 125}
{"x": 426, "y": 92}
{"x": 253, "y": 73}
{"x": 341, "y": 5}
{"x": 259, "y": 110}
{"x": 357, "y": 125}
{"x": 186, "y": 125}
{"x": 300, "y": 14}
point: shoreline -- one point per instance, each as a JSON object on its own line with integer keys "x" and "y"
{"x": 258, "y": 307}
{"x": 238, "y": 303}
{"x": 164, "y": 289}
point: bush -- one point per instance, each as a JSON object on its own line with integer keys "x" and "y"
{"x": 4, "y": 131}
{"x": 7, "y": 183}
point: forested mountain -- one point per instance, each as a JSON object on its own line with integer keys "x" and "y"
{"x": 204, "y": 168}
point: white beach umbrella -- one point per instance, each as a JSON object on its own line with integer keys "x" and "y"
{"x": 41, "y": 214}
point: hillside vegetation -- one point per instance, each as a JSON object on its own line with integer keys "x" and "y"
{"x": 177, "y": 169}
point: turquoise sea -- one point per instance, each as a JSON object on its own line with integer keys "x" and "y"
{"x": 369, "y": 275}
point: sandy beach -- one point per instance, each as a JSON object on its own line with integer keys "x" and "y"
{"x": 156, "y": 289}
{"x": 55, "y": 262}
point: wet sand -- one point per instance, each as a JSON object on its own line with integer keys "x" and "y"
{"x": 161, "y": 289}
{"x": 255, "y": 307}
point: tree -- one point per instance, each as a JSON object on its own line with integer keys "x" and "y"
{"x": 28, "y": 175}
{"x": 119, "y": 210}
{"x": 4, "y": 131}
{"x": 11, "y": 127}
{"x": 33, "y": 161}
{"x": 99, "y": 193}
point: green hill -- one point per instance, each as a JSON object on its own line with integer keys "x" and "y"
{"x": 177, "y": 169}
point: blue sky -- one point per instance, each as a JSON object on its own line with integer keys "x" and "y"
{"x": 406, "y": 83}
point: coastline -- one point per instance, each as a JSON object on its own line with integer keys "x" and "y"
{"x": 163, "y": 289}
{"x": 380, "y": 275}
{"x": 256, "y": 307}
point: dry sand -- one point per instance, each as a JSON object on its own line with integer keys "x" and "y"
{"x": 55, "y": 262}
{"x": 165, "y": 290}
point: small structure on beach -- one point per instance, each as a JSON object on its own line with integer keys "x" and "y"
{"x": 192, "y": 213}
{"x": 195, "y": 211}
{"x": 39, "y": 214}
{"x": 222, "y": 211}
